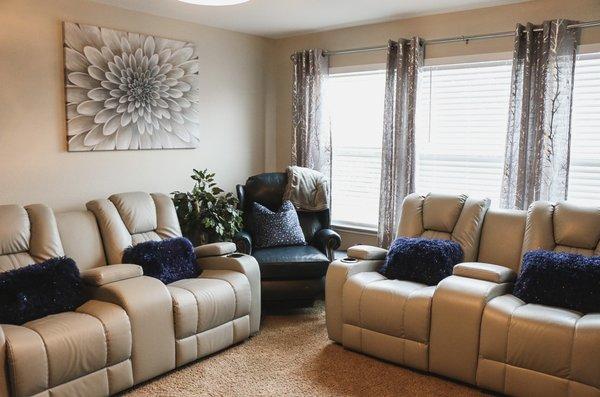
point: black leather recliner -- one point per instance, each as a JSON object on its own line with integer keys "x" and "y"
{"x": 292, "y": 275}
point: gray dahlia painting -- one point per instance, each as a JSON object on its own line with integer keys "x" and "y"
{"x": 128, "y": 91}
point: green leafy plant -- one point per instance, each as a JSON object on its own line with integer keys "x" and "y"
{"x": 207, "y": 214}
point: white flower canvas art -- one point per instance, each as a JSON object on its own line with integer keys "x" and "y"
{"x": 129, "y": 91}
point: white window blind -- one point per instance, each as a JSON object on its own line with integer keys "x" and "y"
{"x": 355, "y": 101}
{"x": 462, "y": 115}
{"x": 584, "y": 171}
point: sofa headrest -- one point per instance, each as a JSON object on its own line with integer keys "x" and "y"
{"x": 27, "y": 235}
{"x": 266, "y": 189}
{"x": 137, "y": 210}
{"x": 450, "y": 217}
{"x": 441, "y": 212}
{"x": 14, "y": 229}
{"x": 562, "y": 226}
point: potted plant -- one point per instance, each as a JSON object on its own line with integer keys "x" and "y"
{"x": 207, "y": 214}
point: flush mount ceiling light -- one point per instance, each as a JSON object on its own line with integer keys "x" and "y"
{"x": 215, "y": 2}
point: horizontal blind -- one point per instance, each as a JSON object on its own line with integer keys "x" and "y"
{"x": 355, "y": 102}
{"x": 462, "y": 114}
{"x": 584, "y": 172}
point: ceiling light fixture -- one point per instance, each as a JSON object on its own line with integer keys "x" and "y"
{"x": 215, "y": 2}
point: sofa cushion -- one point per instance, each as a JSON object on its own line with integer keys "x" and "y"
{"x": 276, "y": 229}
{"x": 167, "y": 260}
{"x": 560, "y": 279}
{"x": 35, "y": 291}
{"x": 549, "y": 340}
{"x": 217, "y": 297}
{"x": 62, "y": 347}
{"x": 421, "y": 260}
{"x": 291, "y": 263}
{"x": 391, "y": 307}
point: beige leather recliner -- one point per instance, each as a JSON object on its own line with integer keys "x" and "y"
{"x": 537, "y": 350}
{"x": 390, "y": 319}
{"x": 82, "y": 353}
{"x": 207, "y": 314}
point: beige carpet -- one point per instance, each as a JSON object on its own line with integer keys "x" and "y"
{"x": 292, "y": 356}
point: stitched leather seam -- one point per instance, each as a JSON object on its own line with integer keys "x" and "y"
{"x": 11, "y": 367}
{"x": 570, "y": 374}
{"x": 362, "y": 291}
{"x": 507, "y": 341}
{"x": 197, "y": 330}
{"x": 105, "y": 334}
{"x": 235, "y": 297}
{"x": 47, "y": 358}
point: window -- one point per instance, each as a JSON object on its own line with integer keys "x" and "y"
{"x": 355, "y": 102}
{"x": 584, "y": 171}
{"x": 462, "y": 114}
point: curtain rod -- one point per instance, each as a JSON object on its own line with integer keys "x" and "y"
{"x": 454, "y": 39}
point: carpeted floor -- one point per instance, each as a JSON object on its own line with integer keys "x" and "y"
{"x": 292, "y": 356}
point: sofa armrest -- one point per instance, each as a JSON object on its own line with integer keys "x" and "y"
{"x": 456, "y": 312}
{"x": 243, "y": 241}
{"x": 485, "y": 271}
{"x": 149, "y": 306}
{"x": 366, "y": 252}
{"x": 4, "y": 388}
{"x": 338, "y": 272}
{"x": 109, "y": 274}
{"x": 327, "y": 241}
{"x": 214, "y": 249}
{"x": 246, "y": 265}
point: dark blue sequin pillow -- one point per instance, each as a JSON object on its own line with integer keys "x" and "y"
{"x": 421, "y": 260}
{"x": 36, "y": 291}
{"x": 276, "y": 229}
{"x": 167, "y": 260}
{"x": 560, "y": 279}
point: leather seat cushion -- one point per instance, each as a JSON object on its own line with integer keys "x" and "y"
{"x": 287, "y": 263}
{"x": 550, "y": 340}
{"x": 62, "y": 347}
{"x": 215, "y": 298}
{"x": 392, "y": 307}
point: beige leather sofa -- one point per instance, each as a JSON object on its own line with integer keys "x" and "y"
{"x": 132, "y": 328}
{"x": 390, "y": 319}
{"x": 82, "y": 353}
{"x": 479, "y": 332}
{"x": 201, "y": 315}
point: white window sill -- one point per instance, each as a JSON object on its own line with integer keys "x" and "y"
{"x": 369, "y": 230}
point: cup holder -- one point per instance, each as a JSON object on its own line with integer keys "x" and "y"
{"x": 235, "y": 255}
{"x": 349, "y": 260}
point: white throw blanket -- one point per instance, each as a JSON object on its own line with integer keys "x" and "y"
{"x": 307, "y": 189}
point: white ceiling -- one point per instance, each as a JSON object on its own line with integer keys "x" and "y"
{"x": 281, "y": 18}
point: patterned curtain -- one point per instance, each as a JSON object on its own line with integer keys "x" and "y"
{"x": 536, "y": 164}
{"x": 404, "y": 58}
{"x": 311, "y": 139}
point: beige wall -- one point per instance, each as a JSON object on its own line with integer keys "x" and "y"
{"x": 34, "y": 163}
{"x": 485, "y": 20}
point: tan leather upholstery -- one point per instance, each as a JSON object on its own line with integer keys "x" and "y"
{"x": 390, "y": 319}
{"x": 366, "y": 252}
{"x": 27, "y": 235}
{"x": 215, "y": 249}
{"x": 81, "y": 239}
{"x": 209, "y": 313}
{"x": 436, "y": 216}
{"x": 86, "y": 352}
{"x": 110, "y": 274}
{"x": 502, "y": 238}
{"x": 485, "y": 271}
{"x": 529, "y": 349}
{"x": 563, "y": 227}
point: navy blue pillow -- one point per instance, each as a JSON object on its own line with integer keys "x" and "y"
{"x": 38, "y": 290}
{"x": 276, "y": 229}
{"x": 560, "y": 279}
{"x": 167, "y": 260}
{"x": 421, "y": 260}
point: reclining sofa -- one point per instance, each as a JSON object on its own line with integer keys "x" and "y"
{"x": 470, "y": 327}
{"x": 132, "y": 327}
